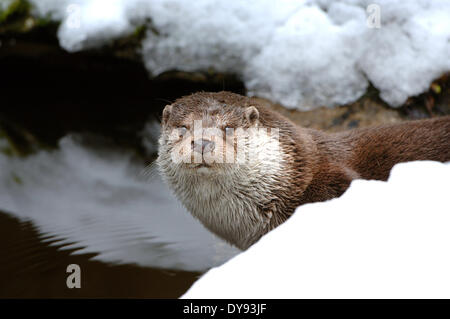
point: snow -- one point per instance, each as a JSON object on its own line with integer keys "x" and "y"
{"x": 4, "y": 4}
{"x": 378, "y": 240}
{"x": 301, "y": 53}
{"x": 86, "y": 24}
{"x": 100, "y": 201}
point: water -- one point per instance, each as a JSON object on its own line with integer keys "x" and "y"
{"x": 98, "y": 208}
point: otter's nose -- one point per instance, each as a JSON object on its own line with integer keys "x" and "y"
{"x": 202, "y": 146}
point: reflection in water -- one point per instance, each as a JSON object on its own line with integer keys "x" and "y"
{"x": 30, "y": 268}
{"x": 96, "y": 201}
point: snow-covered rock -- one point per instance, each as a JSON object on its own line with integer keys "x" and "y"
{"x": 302, "y": 53}
{"x": 378, "y": 240}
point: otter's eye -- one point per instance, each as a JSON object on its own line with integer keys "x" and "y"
{"x": 182, "y": 130}
{"x": 229, "y": 130}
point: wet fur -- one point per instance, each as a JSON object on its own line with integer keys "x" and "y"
{"x": 240, "y": 203}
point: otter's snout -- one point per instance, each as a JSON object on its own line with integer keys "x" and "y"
{"x": 202, "y": 146}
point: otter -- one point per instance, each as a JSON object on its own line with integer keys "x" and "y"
{"x": 241, "y": 200}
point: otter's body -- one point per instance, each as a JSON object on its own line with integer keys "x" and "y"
{"x": 370, "y": 153}
{"x": 240, "y": 202}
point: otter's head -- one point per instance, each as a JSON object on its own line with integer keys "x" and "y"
{"x": 223, "y": 163}
{"x": 212, "y": 133}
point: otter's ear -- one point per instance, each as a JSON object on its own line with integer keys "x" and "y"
{"x": 251, "y": 114}
{"x": 166, "y": 113}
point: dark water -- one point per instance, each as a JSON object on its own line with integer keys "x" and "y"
{"x": 30, "y": 268}
{"x": 63, "y": 204}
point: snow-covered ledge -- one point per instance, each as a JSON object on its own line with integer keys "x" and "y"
{"x": 379, "y": 240}
{"x": 300, "y": 53}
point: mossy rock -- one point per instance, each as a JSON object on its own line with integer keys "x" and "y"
{"x": 6, "y": 146}
{"x": 16, "y": 18}
{"x": 17, "y": 141}
{"x": 16, "y": 8}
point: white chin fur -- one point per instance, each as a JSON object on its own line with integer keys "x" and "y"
{"x": 225, "y": 197}
{"x": 203, "y": 170}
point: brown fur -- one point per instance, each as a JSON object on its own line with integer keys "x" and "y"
{"x": 320, "y": 165}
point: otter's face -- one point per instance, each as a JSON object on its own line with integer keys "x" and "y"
{"x": 207, "y": 136}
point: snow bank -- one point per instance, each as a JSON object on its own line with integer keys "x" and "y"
{"x": 100, "y": 202}
{"x": 301, "y": 53}
{"x": 379, "y": 240}
{"x": 4, "y": 4}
